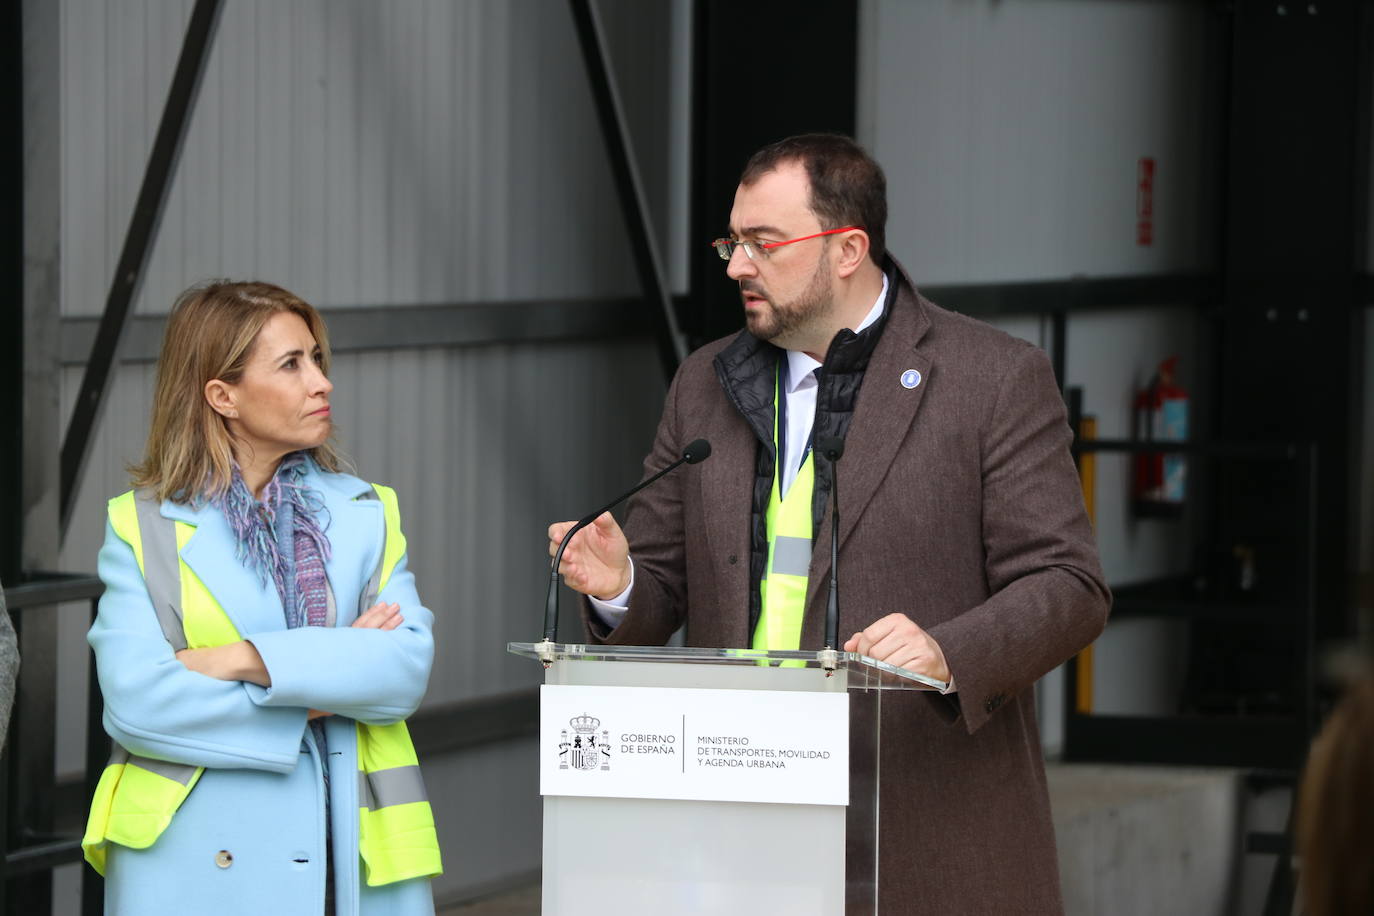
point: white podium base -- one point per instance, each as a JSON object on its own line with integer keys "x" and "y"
{"x": 698, "y": 857}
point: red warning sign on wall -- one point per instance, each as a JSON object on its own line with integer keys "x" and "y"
{"x": 1145, "y": 201}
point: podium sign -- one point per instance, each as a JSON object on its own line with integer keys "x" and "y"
{"x": 626, "y": 831}
{"x": 694, "y": 744}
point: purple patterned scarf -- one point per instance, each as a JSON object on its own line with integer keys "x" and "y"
{"x": 281, "y": 538}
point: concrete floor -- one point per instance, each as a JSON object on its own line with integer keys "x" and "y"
{"x": 1132, "y": 840}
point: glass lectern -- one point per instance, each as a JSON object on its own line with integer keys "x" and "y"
{"x": 613, "y": 855}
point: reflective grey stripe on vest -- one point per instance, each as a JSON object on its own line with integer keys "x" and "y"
{"x": 791, "y": 556}
{"x": 178, "y": 772}
{"x": 374, "y": 582}
{"x": 394, "y": 786}
{"x": 161, "y": 566}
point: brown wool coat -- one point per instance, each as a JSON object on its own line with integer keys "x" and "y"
{"x": 960, "y": 507}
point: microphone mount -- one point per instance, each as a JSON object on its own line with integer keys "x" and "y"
{"x": 832, "y": 447}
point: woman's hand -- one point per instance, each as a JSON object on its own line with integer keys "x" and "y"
{"x": 380, "y": 616}
{"x": 235, "y": 661}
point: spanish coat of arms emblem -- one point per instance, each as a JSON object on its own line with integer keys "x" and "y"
{"x": 588, "y": 749}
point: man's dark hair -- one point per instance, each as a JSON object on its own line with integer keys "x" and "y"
{"x": 848, "y": 187}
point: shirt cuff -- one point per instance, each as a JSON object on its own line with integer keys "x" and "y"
{"x": 612, "y": 611}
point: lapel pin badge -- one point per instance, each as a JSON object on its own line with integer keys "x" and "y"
{"x": 911, "y": 378}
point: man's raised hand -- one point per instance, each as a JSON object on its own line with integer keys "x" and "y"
{"x": 597, "y": 559}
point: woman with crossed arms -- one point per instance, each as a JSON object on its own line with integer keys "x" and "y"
{"x": 259, "y": 643}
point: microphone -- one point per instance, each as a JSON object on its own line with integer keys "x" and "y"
{"x": 696, "y": 451}
{"x": 832, "y": 447}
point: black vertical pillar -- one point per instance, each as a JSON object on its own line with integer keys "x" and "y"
{"x": 11, "y": 290}
{"x": 1298, "y": 163}
{"x": 11, "y": 328}
{"x": 762, "y": 71}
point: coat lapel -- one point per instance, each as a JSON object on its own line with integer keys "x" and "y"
{"x": 354, "y": 527}
{"x": 885, "y": 413}
{"x": 250, "y": 600}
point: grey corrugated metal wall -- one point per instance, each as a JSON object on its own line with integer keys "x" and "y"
{"x": 360, "y": 153}
{"x": 390, "y": 154}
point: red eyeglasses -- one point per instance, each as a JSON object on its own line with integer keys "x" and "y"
{"x": 759, "y": 249}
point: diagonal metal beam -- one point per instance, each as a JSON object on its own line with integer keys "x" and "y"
{"x": 629, "y": 186}
{"x": 138, "y": 245}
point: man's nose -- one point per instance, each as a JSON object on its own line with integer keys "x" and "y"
{"x": 740, "y": 265}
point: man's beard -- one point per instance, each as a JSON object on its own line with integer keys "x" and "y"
{"x": 782, "y": 323}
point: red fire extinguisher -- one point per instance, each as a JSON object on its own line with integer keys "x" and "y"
{"x": 1159, "y": 485}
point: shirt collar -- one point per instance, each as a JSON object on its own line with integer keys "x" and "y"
{"x": 800, "y": 366}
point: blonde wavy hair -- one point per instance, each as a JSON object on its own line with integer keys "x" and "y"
{"x": 210, "y": 335}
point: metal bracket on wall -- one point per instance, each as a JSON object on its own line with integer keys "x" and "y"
{"x": 138, "y": 244}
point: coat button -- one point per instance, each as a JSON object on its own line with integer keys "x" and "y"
{"x": 224, "y": 858}
{"x": 994, "y": 702}
{"x": 733, "y": 559}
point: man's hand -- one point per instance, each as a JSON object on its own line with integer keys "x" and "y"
{"x": 897, "y": 640}
{"x": 597, "y": 561}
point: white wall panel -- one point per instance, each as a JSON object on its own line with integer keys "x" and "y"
{"x": 1010, "y": 131}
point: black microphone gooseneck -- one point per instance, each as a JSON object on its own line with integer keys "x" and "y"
{"x": 832, "y": 447}
{"x": 697, "y": 450}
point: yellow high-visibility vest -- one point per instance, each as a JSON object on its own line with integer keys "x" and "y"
{"x": 137, "y": 796}
{"x": 783, "y": 586}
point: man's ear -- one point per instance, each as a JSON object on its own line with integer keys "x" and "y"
{"x": 853, "y": 252}
{"x": 222, "y": 398}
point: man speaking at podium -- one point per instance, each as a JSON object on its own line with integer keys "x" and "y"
{"x": 965, "y": 552}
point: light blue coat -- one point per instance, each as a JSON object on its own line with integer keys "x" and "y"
{"x": 261, "y": 797}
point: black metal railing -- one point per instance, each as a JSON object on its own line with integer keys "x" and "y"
{"x": 30, "y": 851}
